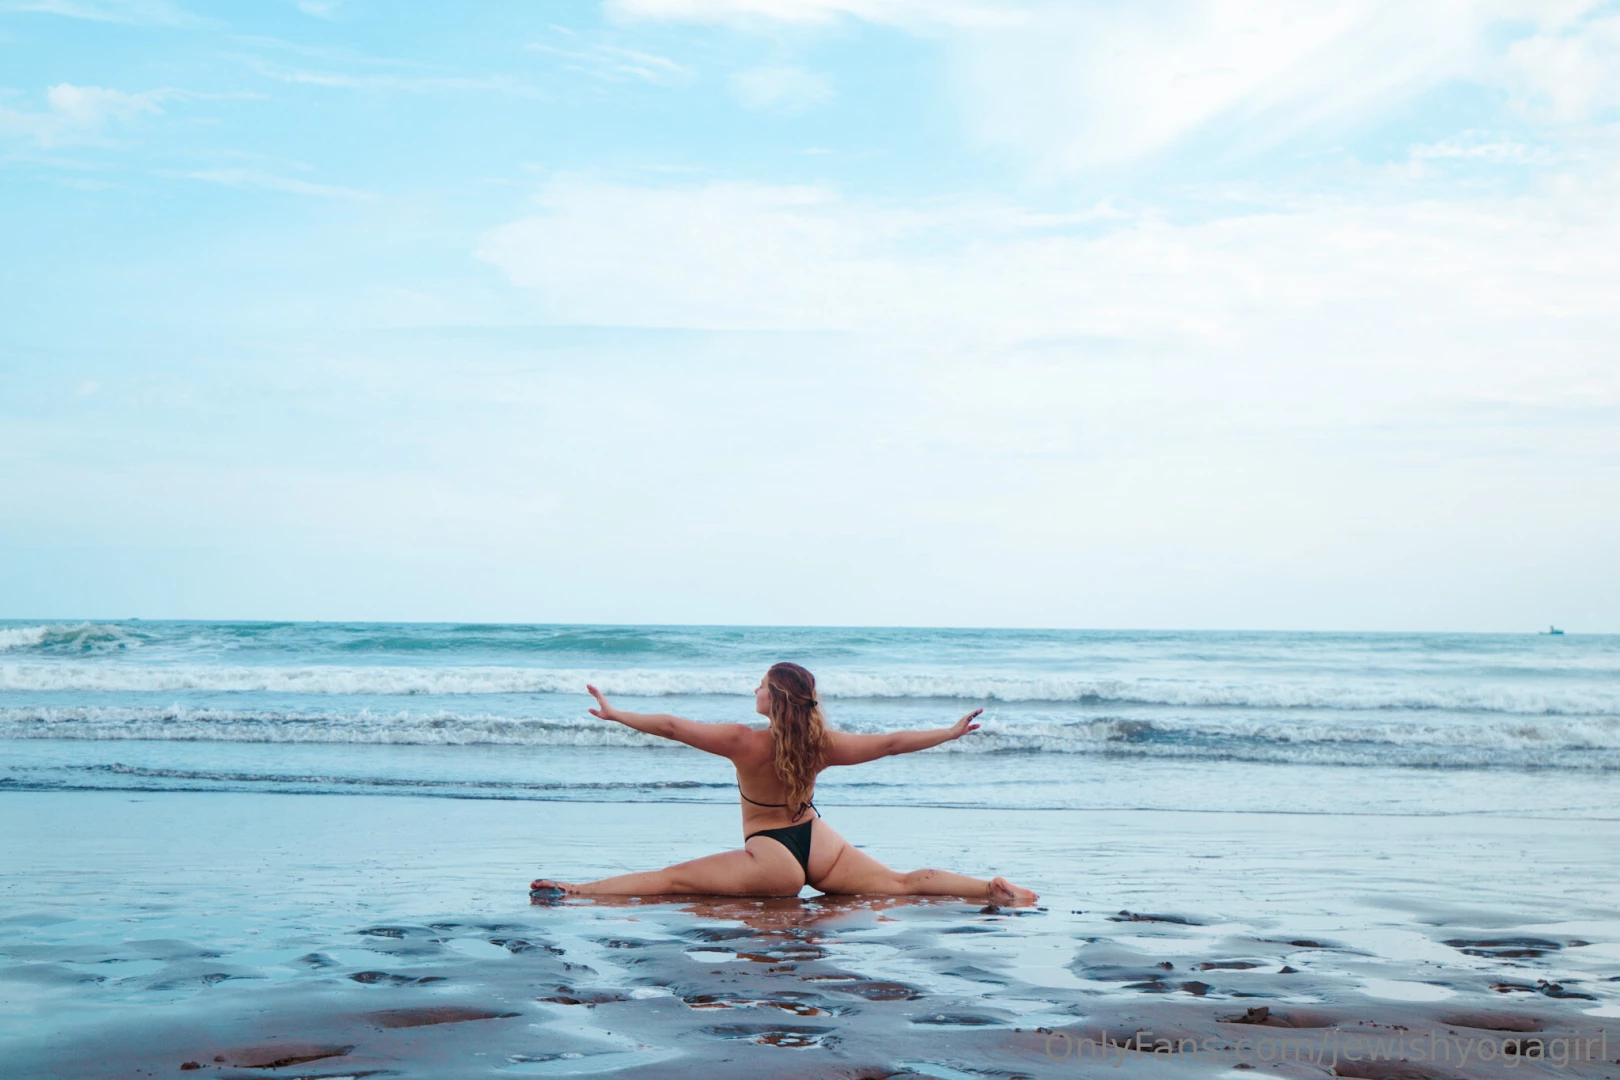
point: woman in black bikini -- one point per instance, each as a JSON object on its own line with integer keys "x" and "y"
{"x": 785, "y": 849}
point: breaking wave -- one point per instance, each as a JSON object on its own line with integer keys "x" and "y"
{"x": 1565, "y": 743}
{"x": 1520, "y": 700}
{"x": 83, "y": 637}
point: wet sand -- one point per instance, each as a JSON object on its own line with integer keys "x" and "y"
{"x": 251, "y": 935}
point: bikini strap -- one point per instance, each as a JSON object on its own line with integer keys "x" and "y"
{"x": 778, "y": 805}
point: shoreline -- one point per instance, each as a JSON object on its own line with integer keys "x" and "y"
{"x": 679, "y": 776}
{"x": 1517, "y": 815}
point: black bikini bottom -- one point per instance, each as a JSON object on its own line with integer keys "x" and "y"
{"x": 796, "y": 838}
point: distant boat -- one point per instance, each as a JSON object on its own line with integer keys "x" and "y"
{"x": 1553, "y": 630}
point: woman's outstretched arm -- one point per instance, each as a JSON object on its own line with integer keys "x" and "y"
{"x": 721, "y": 739}
{"x": 850, "y": 749}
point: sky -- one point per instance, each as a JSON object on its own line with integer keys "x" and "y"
{"x": 1163, "y": 313}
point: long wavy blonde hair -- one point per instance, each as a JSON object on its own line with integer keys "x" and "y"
{"x": 799, "y": 732}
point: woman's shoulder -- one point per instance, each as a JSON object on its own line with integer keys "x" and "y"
{"x": 759, "y": 743}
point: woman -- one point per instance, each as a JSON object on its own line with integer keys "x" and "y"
{"x": 787, "y": 844}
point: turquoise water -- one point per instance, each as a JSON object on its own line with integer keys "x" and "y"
{"x": 1073, "y": 718}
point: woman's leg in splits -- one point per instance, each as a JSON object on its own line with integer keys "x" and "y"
{"x": 837, "y": 866}
{"x": 762, "y": 868}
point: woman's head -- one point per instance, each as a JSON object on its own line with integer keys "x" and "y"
{"x": 787, "y": 694}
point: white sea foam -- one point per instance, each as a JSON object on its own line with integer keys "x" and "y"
{"x": 1582, "y": 743}
{"x": 362, "y": 727}
{"x": 22, "y": 637}
{"x": 325, "y": 679}
{"x": 86, "y": 636}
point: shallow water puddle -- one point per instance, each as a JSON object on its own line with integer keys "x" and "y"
{"x": 712, "y": 956}
{"x": 577, "y": 1064}
{"x": 1398, "y": 943}
{"x": 1399, "y": 990}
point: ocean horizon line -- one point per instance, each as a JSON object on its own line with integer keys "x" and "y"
{"x": 12, "y": 621}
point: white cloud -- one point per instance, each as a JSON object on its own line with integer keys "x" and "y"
{"x": 1092, "y": 84}
{"x": 782, "y": 89}
{"x": 749, "y": 256}
{"x": 91, "y": 106}
{"x": 1570, "y": 73}
{"x": 1079, "y": 84}
{"x": 1479, "y": 147}
{"x": 1359, "y": 400}
{"x": 80, "y": 114}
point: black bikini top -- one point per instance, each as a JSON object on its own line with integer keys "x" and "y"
{"x": 778, "y": 805}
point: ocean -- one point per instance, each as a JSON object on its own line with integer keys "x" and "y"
{"x": 1422, "y": 723}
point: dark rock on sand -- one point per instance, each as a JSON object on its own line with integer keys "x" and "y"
{"x": 431, "y": 1015}
{"x": 1542, "y": 986}
{"x": 205, "y": 979}
{"x": 1179, "y": 920}
{"x": 519, "y": 945}
{"x": 374, "y": 978}
{"x": 717, "y": 933}
{"x": 1265, "y": 1016}
{"x": 880, "y": 991}
{"x": 1504, "y": 948}
{"x": 1120, "y": 973}
{"x": 1555, "y": 990}
{"x": 786, "y": 954}
{"x": 1392, "y": 1070}
{"x": 279, "y": 1055}
{"x": 567, "y": 995}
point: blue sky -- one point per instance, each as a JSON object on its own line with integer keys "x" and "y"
{"x": 1176, "y": 314}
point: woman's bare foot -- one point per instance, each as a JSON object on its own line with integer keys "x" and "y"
{"x": 1006, "y": 894}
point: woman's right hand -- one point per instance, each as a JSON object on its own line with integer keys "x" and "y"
{"x": 965, "y": 725}
{"x": 603, "y": 710}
